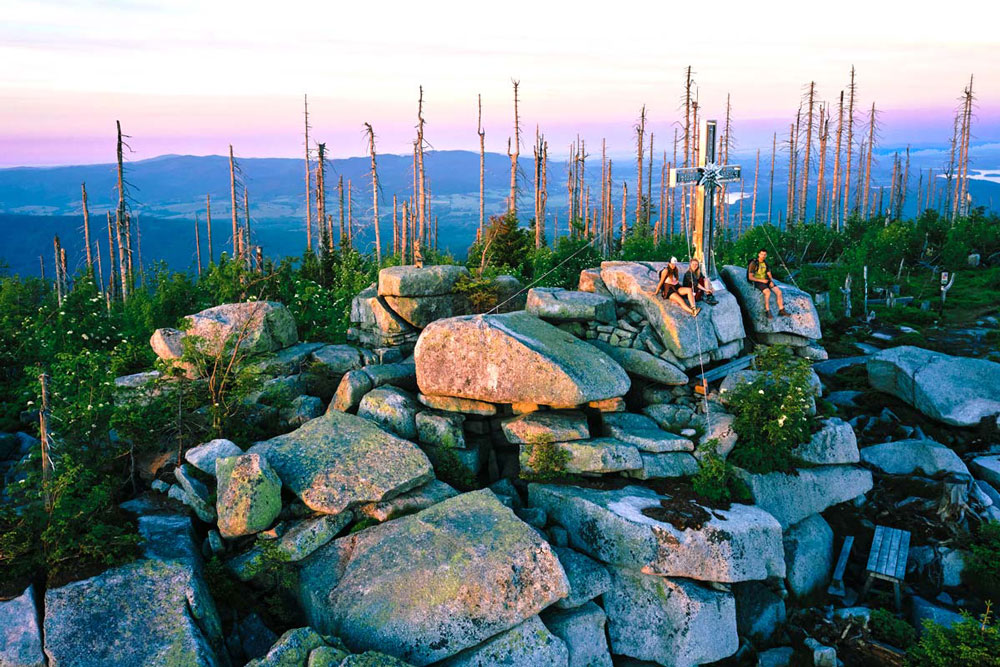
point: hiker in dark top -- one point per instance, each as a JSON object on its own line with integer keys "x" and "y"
{"x": 697, "y": 283}
{"x": 759, "y": 275}
{"x": 670, "y": 288}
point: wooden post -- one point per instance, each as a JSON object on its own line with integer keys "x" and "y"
{"x": 308, "y": 182}
{"x": 378, "y": 235}
{"x": 59, "y": 282}
{"x": 232, "y": 197}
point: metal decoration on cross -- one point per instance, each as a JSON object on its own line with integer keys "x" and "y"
{"x": 706, "y": 177}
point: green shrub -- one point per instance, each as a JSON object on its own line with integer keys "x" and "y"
{"x": 546, "y": 460}
{"x": 482, "y": 293}
{"x": 982, "y": 565}
{"x": 968, "y": 643}
{"x": 716, "y": 480}
{"x": 772, "y": 412}
{"x": 885, "y": 627}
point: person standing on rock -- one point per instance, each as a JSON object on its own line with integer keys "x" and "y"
{"x": 759, "y": 275}
{"x": 698, "y": 284}
{"x": 670, "y": 288}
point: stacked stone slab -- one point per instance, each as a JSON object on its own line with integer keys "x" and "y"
{"x": 800, "y": 329}
{"x": 664, "y": 591}
{"x": 657, "y": 326}
{"x": 389, "y": 315}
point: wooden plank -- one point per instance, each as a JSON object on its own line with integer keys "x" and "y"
{"x": 725, "y": 369}
{"x": 845, "y": 553}
{"x": 904, "y": 552}
{"x": 889, "y": 538}
{"x": 890, "y": 562}
{"x": 876, "y": 547}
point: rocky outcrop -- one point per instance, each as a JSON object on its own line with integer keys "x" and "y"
{"x": 802, "y": 321}
{"x": 513, "y": 358}
{"x": 739, "y": 544}
{"x": 643, "y": 364}
{"x": 145, "y": 613}
{"x": 427, "y": 586}
{"x": 587, "y": 578}
{"x": 792, "y": 497}
{"x": 954, "y": 390}
{"x": 552, "y": 303}
{"x": 20, "y": 636}
{"x": 643, "y": 433}
{"x": 248, "y": 495}
{"x": 339, "y": 460}
{"x": 908, "y": 457}
{"x": 673, "y": 622}
{"x": 412, "y": 281}
{"x": 684, "y": 336}
{"x": 259, "y": 326}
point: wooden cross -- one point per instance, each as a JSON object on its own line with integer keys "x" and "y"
{"x": 706, "y": 177}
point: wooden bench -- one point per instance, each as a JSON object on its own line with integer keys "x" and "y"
{"x": 887, "y": 560}
{"x": 722, "y": 371}
{"x": 837, "y": 581}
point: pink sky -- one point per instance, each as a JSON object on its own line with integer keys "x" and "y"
{"x": 190, "y": 77}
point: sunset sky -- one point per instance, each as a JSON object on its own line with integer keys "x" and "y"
{"x": 189, "y": 76}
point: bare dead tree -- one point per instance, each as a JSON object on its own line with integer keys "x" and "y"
{"x": 395, "y": 225}
{"x": 100, "y": 269}
{"x": 404, "y": 231}
{"x": 539, "y": 223}
{"x": 45, "y": 438}
{"x": 658, "y": 231}
{"x": 640, "y": 143}
{"x": 770, "y": 189}
{"x": 904, "y": 190}
{"x": 753, "y": 203}
{"x": 246, "y": 216}
{"x": 790, "y": 206}
{"x": 308, "y": 181}
{"x": 649, "y": 186}
{"x": 835, "y": 191}
{"x": 112, "y": 279}
{"x": 422, "y": 202}
{"x": 350, "y": 215}
{"x": 56, "y": 248}
{"x": 371, "y": 151}
{"x": 343, "y": 228}
{"x": 120, "y": 216}
{"x": 482, "y": 171}
{"x": 544, "y": 195}
{"x": 232, "y": 203}
{"x": 803, "y": 197}
{"x": 86, "y": 230}
{"x": 197, "y": 244}
{"x": 823, "y": 137}
{"x": 851, "y": 90}
{"x": 321, "y": 194}
{"x": 208, "y": 226}
{"x": 872, "y": 128}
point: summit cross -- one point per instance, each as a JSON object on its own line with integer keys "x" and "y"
{"x": 706, "y": 177}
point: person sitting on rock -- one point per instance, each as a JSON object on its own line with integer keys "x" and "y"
{"x": 697, "y": 283}
{"x": 759, "y": 275}
{"x": 670, "y": 288}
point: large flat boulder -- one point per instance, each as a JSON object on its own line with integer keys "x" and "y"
{"x": 513, "y": 358}
{"x": 802, "y": 319}
{"x": 419, "y": 311}
{"x": 909, "y": 457}
{"x": 642, "y": 432}
{"x": 739, "y": 544}
{"x": 423, "y": 281}
{"x": 547, "y": 426}
{"x": 339, "y": 460}
{"x": 256, "y": 326}
{"x": 955, "y": 390}
{"x": 808, "y": 555}
{"x": 643, "y": 364}
{"x": 684, "y": 336}
{"x": 588, "y": 579}
{"x": 553, "y": 303}
{"x": 426, "y": 586}
{"x": 596, "y": 456}
{"x": 145, "y": 613}
{"x": 789, "y": 498}
{"x": 529, "y": 643}
{"x": 20, "y": 636}
{"x": 672, "y": 622}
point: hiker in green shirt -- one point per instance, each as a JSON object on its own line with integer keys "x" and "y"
{"x": 759, "y": 275}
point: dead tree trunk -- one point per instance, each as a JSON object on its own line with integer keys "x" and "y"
{"x": 395, "y": 226}
{"x": 404, "y": 234}
{"x": 640, "y": 143}
{"x": 804, "y": 196}
{"x": 544, "y": 195}
{"x": 208, "y": 226}
{"x": 851, "y": 90}
{"x": 246, "y": 216}
{"x": 624, "y": 210}
{"x": 59, "y": 279}
{"x": 868, "y": 164}
{"x": 685, "y": 212}
{"x": 112, "y": 278}
{"x": 232, "y": 203}
{"x": 100, "y": 269}
{"x": 482, "y": 172}
{"x": 197, "y": 244}
{"x": 658, "y": 231}
{"x": 770, "y": 188}
{"x": 321, "y": 196}
{"x": 835, "y": 191}
{"x": 343, "y": 228}
{"x": 905, "y": 186}
{"x": 86, "y": 231}
{"x": 790, "y": 191}
{"x": 378, "y": 235}
{"x": 824, "y": 135}
{"x": 512, "y": 199}
{"x": 309, "y": 243}
{"x": 350, "y": 215}
{"x": 422, "y": 203}
{"x": 46, "y": 441}
{"x": 120, "y": 216}
{"x": 753, "y": 202}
